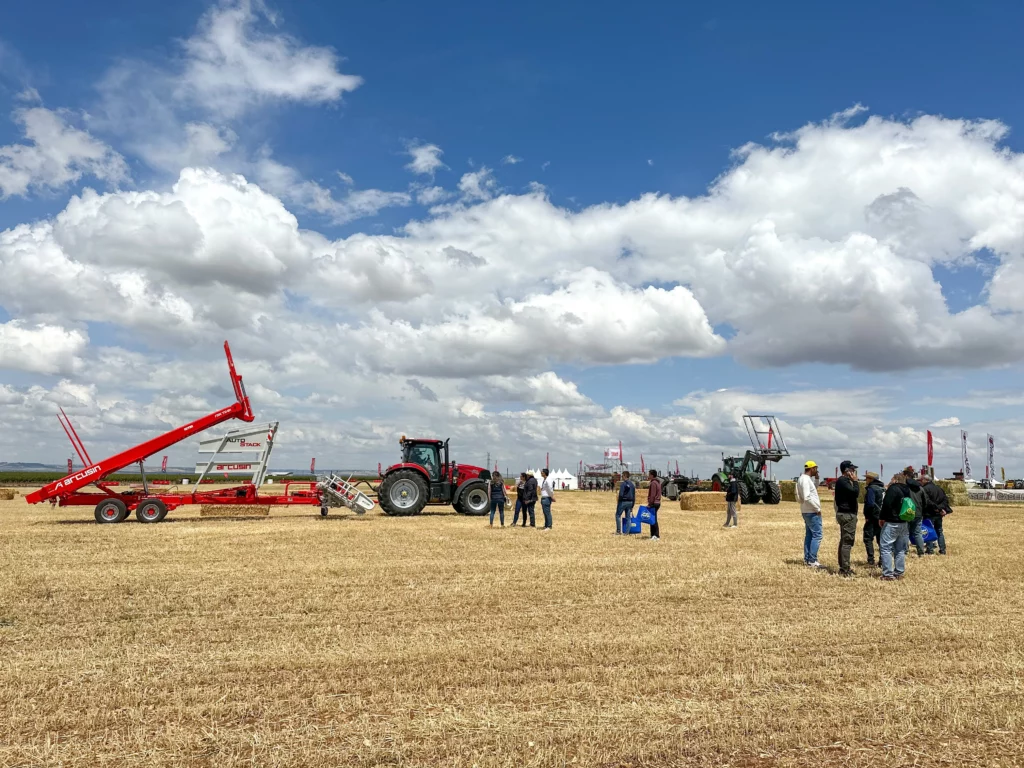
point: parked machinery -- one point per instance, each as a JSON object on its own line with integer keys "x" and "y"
{"x": 750, "y": 469}
{"x": 427, "y": 476}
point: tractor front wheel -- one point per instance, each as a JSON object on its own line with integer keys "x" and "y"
{"x": 111, "y": 511}
{"x": 772, "y": 493}
{"x": 746, "y": 497}
{"x": 475, "y": 499}
{"x": 403, "y": 493}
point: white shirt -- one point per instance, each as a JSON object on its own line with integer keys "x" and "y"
{"x": 807, "y": 495}
{"x": 545, "y": 489}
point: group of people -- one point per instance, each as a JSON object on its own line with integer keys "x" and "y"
{"x": 528, "y": 493}
{"x": 627, "y": 500}
{"x": 893, "y": 517}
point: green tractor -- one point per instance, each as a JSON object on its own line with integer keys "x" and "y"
{"x": 769, "y": 447}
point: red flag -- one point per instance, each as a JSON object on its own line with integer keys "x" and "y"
{"x": 622, "y": 459}
{"x": 70, "y": 466}
{"x": 642, "y": 467}
{"x": 312, "y": 466}
{"x": 163, "y": 465}
{"x": 930, "y": 451}
{"x": 547, "y": 461}
{"x": 677, "y": 466}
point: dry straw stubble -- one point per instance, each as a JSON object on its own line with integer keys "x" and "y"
{"x": 365, "y": 641}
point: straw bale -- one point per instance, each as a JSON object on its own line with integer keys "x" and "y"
{"x": 234, "y": 510}
{"x": 7, "y": 494}
{"x": 788, "y": 489}
{"x": 952, "y": 486}
{"x": 958, "y": 499}
{"x": 701, "y": 500}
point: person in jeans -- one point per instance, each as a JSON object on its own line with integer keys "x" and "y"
{"x": 547, "y": 496}
{"x": 530, "y": 500}
{"x": 895, "y": 539}
{"x": 810, "y": 508}
{"x": 624, "y": 505}
{"x": 847, "y": 492}
{"x": 732, "y": 503}
{"x": 936, "y": 507}
{"x": 914, "y": 532}
{"x": 499, "y": 498}
{"x": 873, "y": 495}
{"x": 520, "y": 506}
{"x": 654, "y": 503}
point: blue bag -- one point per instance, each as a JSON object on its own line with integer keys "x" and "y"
{"x": 647, "y": 515}
{"x": 631, "y": 525}
{"x": 928, "y": 533}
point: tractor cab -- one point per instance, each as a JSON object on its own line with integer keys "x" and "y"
{"x": 432, "y": 455}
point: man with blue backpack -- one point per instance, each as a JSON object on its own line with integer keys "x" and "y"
{"x": 899, "y": 507}
{"x": 624, "y": 505}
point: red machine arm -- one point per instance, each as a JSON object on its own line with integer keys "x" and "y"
{"x": 76, "y": 480}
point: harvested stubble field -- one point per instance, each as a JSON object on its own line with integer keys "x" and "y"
{"x": 436, "y": 641}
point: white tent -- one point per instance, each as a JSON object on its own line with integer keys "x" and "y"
{"x": 562, "y": 479}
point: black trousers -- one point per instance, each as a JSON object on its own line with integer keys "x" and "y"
{"x": 655, "y": 528}
{"x": 847, "y": 536}
{"x": 528, "y": 510}
{"x": 930, "y": 546}
{"x": 872, "y": 536}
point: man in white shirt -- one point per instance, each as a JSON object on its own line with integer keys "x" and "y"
{"x": 810, "y": 508}
{"x": 547, "y": 495}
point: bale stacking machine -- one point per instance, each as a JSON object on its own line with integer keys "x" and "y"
{"x": 113, "y": 505}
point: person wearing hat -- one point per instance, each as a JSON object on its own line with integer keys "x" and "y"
{"x": 810, "y": 508}
{"x": 873, "y": 495}
{"x": 847, "y": 493}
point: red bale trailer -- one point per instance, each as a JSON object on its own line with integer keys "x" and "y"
{"x": 114, "y": 505}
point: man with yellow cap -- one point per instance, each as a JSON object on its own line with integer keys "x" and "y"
{"x": 810, "y": 508}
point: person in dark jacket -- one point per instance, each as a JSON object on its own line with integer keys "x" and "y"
{"x": 847, "y": 491}
{"x": 895, "y": 540}
{"x": 732, "y": 503}
{"x": 624, "y": 505}
{"x": 520, "y": 506}
{"x": 917, "y": 494}
{"x": 936, "y": 507}
{"x": 654, "y": 503}
{"x": 873, "y": 495}
{"x": 530, "y": 500}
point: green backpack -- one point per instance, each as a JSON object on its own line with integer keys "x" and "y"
{"x": 908, "y": 510}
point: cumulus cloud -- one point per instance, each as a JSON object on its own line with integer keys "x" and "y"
{"x": 41, "y": 348}
{"x": 426, "y": 158}
{"x": 478, "y": 185}
{"x": 951, "y": 421}
{"x": 56, "y": 154}
{"x": 511, "y": 160}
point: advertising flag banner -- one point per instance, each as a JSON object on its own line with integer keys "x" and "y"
{"x": 990, "y": 469}
{"x": 70, "y": 466}
{"x": 312, "y": 466}
{"x": 966, "y": 463}
{"x": 930, "y": 450}
{"x": 163, "y": 465}
{"x": 613, "y": 453}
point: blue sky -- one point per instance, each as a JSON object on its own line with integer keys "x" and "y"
{"x": 599, "y": 103}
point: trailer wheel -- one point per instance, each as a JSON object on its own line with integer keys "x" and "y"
{"x": 111, "y": 511}
{"x": 323, "y": 511}
{"x": 150, "y": 511}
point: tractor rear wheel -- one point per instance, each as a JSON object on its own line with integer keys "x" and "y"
{"x": 475, "y": 499}
{"x": 716, "y": 484}
{"x": 150, "y": 511}
{"x": 746, "y": 497}
{"x": 403, "y": 493}
{"x": 772, "y": 493}
{"x": 111, "y": 511}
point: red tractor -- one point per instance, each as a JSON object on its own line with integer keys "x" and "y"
{"x": 426, "y": 476}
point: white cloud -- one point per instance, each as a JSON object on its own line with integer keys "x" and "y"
{"x": 511, "y": 160}
{"x": 233, "y": 63}
{"x": 287, "y": 183}
{"x": 650, "y": 162}
{"x": 478, "y": 185}
{"x": 426, "y": 158}
{"x": 951, "y": 421}
{"x": 57, "y": 154}
{"x": 431, "y": 195}
{"x": 44, "y": 349}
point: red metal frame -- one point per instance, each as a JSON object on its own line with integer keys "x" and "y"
{"x": 66, "y": 492}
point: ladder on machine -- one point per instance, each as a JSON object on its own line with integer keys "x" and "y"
{"x": 341, "y": 492}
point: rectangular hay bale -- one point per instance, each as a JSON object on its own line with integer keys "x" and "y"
{"x": 234, "y": 510}
{"x": 701, "y": 500}
{"x": 7, "y": 494}
{"x": 788, "y": 489}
